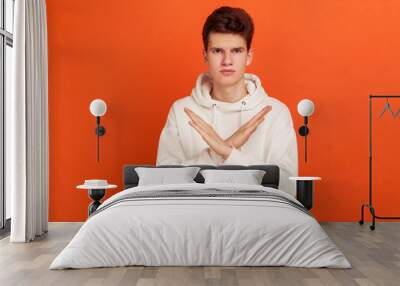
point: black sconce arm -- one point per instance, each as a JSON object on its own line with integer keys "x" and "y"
{"x": 304, "y": 131}
{"x": 100, "y": 131}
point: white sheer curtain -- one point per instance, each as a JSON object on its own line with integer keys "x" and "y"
{"x": 27, "y": 124}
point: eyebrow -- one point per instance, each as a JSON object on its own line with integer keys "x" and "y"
{"x": 235, "y": 48}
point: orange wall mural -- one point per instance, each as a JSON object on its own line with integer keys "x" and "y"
{"x": 140, "y": 56}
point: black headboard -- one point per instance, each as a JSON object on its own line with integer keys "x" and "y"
{"x": 270, "y": 179}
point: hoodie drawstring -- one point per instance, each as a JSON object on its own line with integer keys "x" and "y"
{"x": 214, "y": 116}
{"x": 241, "y": 112}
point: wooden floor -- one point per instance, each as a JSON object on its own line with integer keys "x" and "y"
{"x": 375, "y": 257}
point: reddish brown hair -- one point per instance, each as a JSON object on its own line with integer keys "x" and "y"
{"x": 229, "y": 20}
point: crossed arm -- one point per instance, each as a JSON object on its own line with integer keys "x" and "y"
{"x": 236, "y": 140}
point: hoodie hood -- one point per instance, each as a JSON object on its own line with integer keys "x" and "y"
{"x": 256, "y": 94}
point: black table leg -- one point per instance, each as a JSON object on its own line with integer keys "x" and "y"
{"x": 96, "y": 195}
{"x": 305, "y": 193}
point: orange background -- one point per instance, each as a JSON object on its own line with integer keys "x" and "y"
{"x": 140, "y": 56}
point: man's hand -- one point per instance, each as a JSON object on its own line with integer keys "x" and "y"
{"x": 209, "y": 135}
{"x": 245, "y": 131}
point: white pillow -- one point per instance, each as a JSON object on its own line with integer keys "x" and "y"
{"x": 249, "y": 177}
{"x": 162, "y": 176}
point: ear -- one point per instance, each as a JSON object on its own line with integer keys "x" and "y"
{"x": 249, "y": 57}
{"x": 205, "y": 56}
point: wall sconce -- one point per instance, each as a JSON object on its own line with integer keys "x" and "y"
{"x": 98, "y": 108}
{"x": 305, "y": 108}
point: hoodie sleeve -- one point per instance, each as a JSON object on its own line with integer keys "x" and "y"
{"x": 283, "y": 153}
{"x": 170, "y": 147}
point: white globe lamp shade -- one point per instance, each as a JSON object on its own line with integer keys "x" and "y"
{"x": 305, "y": 107}
{"x": 98, "y": 107}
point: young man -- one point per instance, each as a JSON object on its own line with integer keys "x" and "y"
{"x": 229, "y": 119}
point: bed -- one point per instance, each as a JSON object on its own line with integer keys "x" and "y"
{"x": 201, "y": 224}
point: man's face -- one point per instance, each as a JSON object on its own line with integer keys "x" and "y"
{"x": 227, "y": 57}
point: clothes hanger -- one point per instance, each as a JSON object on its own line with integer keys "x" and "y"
{"x": 388, "y": 108}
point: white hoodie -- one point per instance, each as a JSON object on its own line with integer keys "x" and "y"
{"x": 273, "y": 142}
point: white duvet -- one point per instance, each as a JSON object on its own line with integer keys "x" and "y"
{"x": 200, "y": 231}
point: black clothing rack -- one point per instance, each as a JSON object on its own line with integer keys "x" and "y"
{"x": 370, "y": 205}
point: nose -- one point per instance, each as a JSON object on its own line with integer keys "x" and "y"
{"x": 227, "y": 59}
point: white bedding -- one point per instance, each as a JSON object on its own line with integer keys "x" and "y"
{"x": 182, "y": 231}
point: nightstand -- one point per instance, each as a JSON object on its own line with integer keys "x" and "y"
{"x": 305, "y": 190}
{"x": 96, "y": 192}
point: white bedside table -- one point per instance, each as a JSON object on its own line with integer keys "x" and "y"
{"x": 96, "y": 193}
{"x": 305, "y": 190}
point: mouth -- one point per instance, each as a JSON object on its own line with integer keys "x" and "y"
{"x": 227, "y": 72}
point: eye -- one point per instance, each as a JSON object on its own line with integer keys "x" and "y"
{"x": 238, "y": 50}
{"x": 217, "y": 51}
